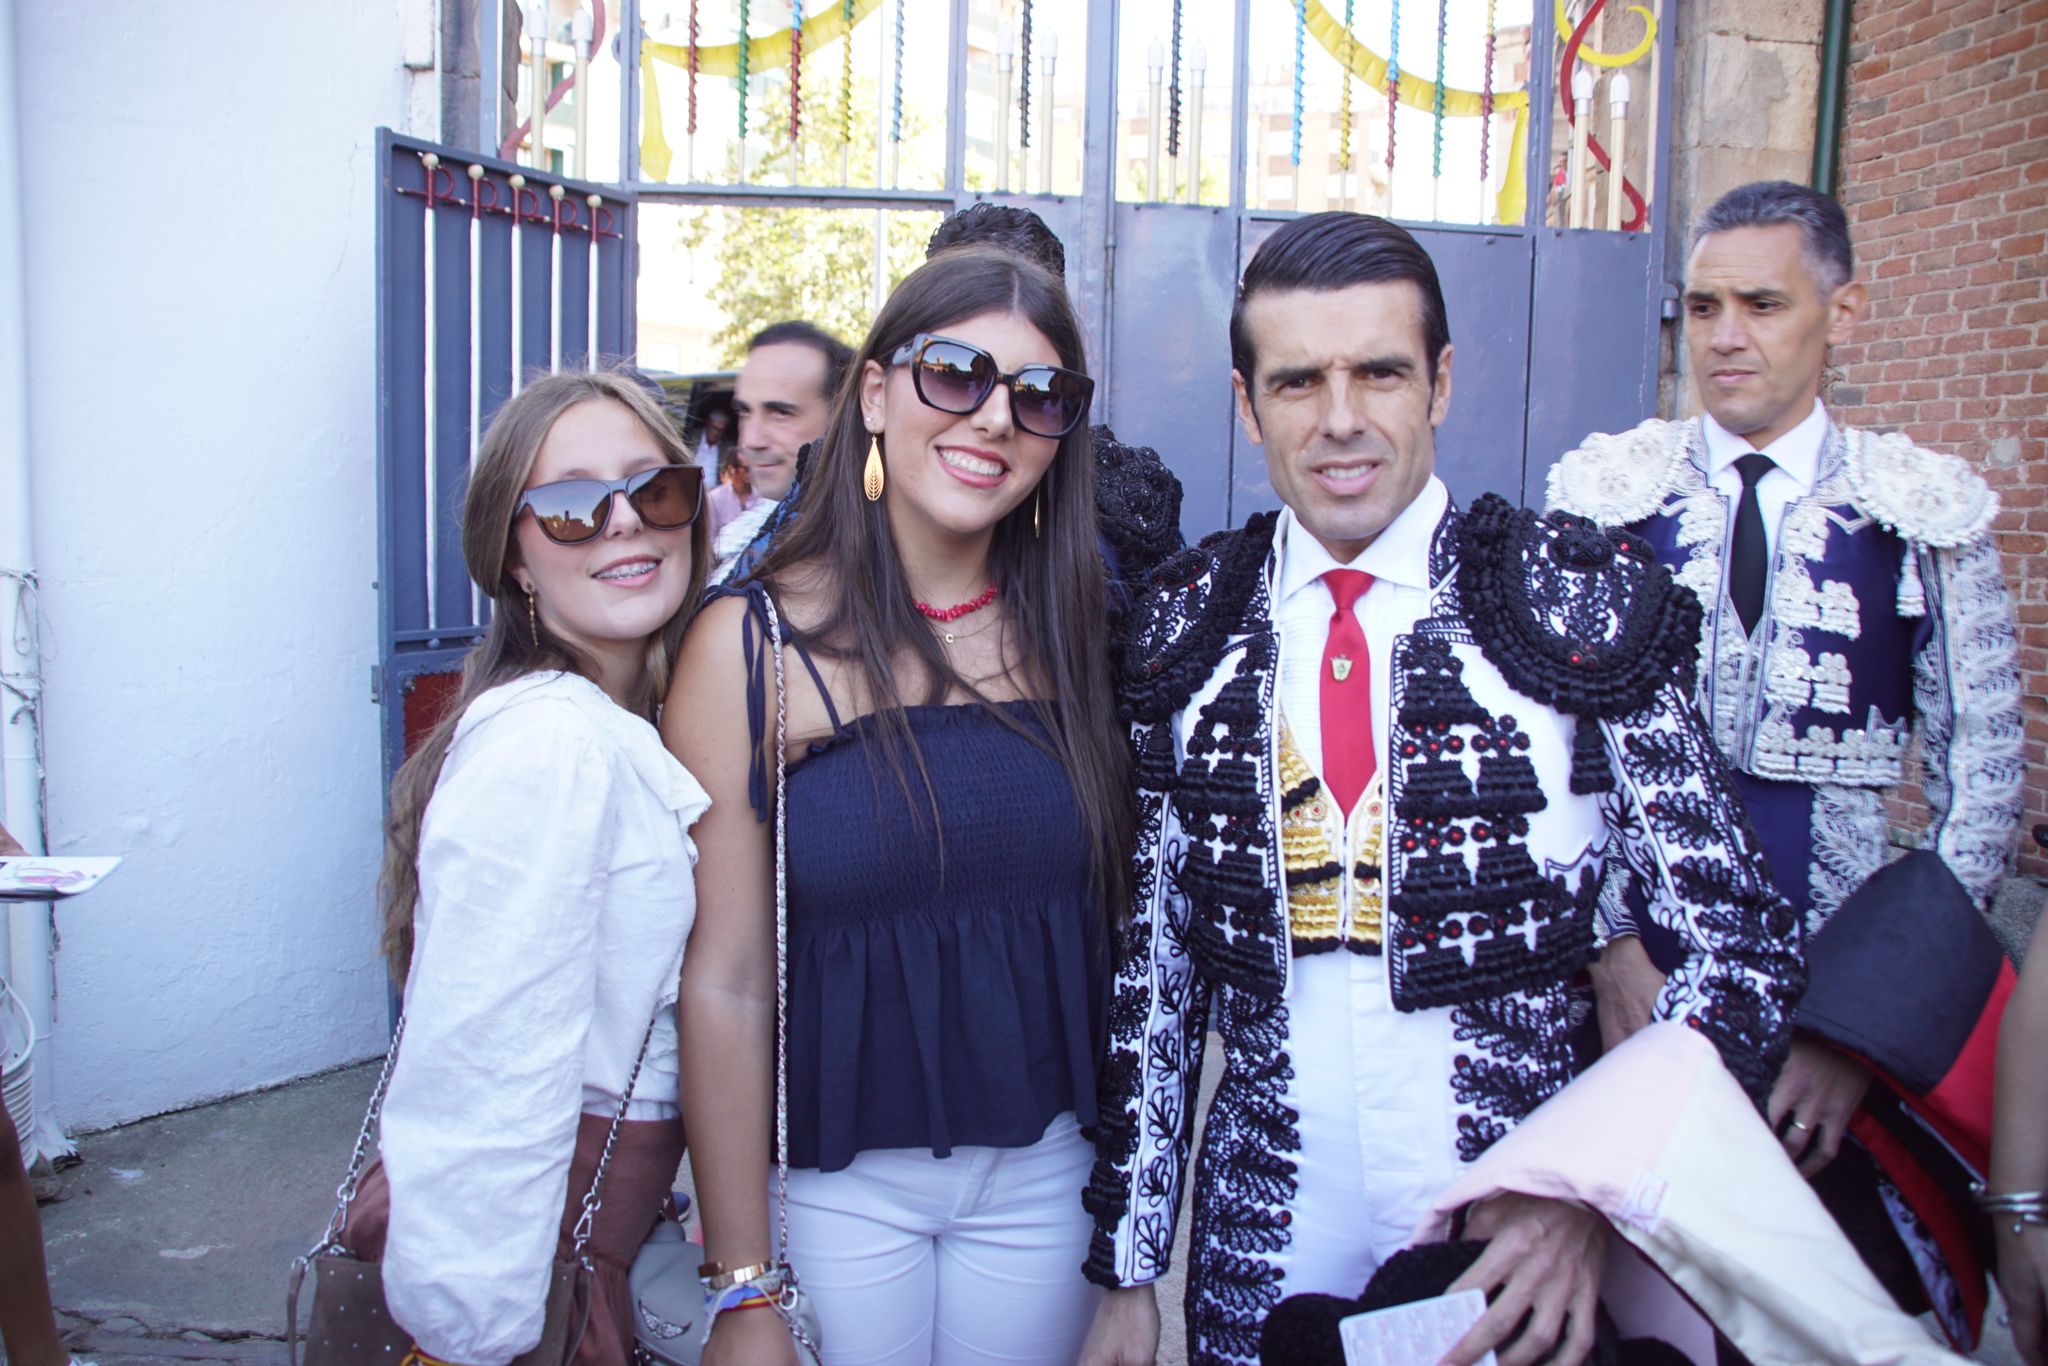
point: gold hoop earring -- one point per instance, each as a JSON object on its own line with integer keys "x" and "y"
{"x": 873, "y": 477}
{"x": 533, "y": 618}
{"x": 1037, "y": 506}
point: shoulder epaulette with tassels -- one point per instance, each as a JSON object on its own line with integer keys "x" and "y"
{"x": 1576, "y": 617}
{"x": 1198, "y": 599}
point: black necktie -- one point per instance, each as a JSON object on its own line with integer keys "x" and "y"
{"x": 1748, "y": 562}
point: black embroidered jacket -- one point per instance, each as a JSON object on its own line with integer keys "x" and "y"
{"x": 1540, "y": 716}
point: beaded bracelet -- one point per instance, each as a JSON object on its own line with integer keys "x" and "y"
{"x": 740, "y": 1297}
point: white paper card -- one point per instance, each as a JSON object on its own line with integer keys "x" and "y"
{"x": 1413, "y": 1334}
{"x": 32, "y": 877}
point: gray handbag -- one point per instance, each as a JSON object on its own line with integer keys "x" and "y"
{"x": 668, "y": 1302}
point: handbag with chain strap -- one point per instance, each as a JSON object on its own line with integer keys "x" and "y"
{"x": 350, "y": 1322}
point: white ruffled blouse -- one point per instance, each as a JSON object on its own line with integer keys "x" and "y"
{"x": 556, "y": 892}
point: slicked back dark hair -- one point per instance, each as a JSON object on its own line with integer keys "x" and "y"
{"x": 1823, "y": 227}
{"x": 1331, "y": 251}
{"x": 1001, "y": 225}
{"x": 838, "y": 355}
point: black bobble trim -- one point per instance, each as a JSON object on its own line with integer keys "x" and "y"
{"x": 1591, "y": 772}
{"x": 1568, "y": 616}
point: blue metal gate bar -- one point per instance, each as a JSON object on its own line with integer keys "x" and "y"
{"x": 448, "y": 224}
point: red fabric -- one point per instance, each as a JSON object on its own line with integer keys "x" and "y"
{"x": 1959, "y": 1106}
{"x": 1958, "y": 1109}
{"x": 1937, "y": 1214}
{"x": 1348, "y": 760}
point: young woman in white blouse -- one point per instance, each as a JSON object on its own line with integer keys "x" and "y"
{"x": 537, "y": 884}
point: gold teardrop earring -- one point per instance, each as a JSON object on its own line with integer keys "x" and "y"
{"x": 1037, "y": 506}
{"x": 873, "y": 477}
{"x": 533, "y": 618}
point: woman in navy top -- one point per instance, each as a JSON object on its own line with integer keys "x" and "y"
{"x": 957, "y": 827}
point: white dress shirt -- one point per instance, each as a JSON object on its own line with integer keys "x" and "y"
{"x": 555, "y": 893}
{"x": 1378, "y": 1128}
{"x": 707, "y": 461}
{"x": 1795, "y": 465}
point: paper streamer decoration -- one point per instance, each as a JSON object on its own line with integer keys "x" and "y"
{"x": 1380, "y": 73}
{"x": 762, "y": 54}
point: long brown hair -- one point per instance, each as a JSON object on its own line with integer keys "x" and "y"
{"x": 1052, "y": 578}
{"x": 513, "y": 646}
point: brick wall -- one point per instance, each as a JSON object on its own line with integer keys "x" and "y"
{"x": 1946, "y": 183}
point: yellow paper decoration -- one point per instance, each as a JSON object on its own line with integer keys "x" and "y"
{"x": 1417, "y": 93}
{"x": 763, "y": 54}
{"x": 1628, "y": 58}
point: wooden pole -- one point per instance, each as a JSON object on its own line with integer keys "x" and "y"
{"x": 1582, "y": 100}
{"x": 1617, "y": 145}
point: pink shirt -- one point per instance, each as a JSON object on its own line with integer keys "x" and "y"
{"x": 725, "y": 505}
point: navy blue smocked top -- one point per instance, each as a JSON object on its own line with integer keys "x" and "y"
{"x": 945, "y": 986}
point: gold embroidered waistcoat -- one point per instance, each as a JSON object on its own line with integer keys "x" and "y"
{"x": 1320, "y": 884}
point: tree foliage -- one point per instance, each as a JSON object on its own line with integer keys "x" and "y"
{"x": 815, "y": 264}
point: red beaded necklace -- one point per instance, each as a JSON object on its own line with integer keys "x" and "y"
{"x": 959, "y": 610}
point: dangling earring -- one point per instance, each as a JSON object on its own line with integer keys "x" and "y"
{"x": 872, "y": 478}
{"x": 533, "y": 618}
{"x": 1037, "y": 506}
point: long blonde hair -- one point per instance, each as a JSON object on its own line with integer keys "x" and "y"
{"x": 510, "y": 648}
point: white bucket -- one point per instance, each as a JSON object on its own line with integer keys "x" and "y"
{"x": 18, "y": 1068}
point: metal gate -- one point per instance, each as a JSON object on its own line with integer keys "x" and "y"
{"x": 1160, "y": 189}
{"x": 487, "y": 271}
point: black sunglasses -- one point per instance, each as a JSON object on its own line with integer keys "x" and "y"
{"x": 572, "y": 511}
{"x": 956, "y": 377}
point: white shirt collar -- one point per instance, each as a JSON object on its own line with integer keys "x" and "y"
{"x": 1797, "y": 452}
{"x": 1399, "y": 554}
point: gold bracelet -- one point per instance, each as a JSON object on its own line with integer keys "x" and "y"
{"x": 715, "y": 1277}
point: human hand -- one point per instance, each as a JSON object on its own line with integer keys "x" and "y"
{"x": 2023, "y": 1280}
{"x": 1125, "y": 1331}
{"x": 750, "y": 1337}
{"x": 1625, "y": 988}
{"x": 1811, "y": 1104}
{"x": 9, "y": 844}
{"x": 1544, "y": 1257}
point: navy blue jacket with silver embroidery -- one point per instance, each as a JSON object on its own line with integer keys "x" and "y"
{"x": 1541, "y": 710}
{"x": 1886, "y": 615}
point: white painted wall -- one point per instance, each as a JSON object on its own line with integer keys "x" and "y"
{"x": 199, "y": 244}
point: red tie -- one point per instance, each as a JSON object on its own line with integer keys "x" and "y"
{"x": 1348, "y": 761}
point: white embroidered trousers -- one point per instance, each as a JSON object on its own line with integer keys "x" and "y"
{"x": 1378, "y": 1129}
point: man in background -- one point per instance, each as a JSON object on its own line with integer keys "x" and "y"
{"x": 732, "y": 499}
{"x": 710, "y": 448}
{"x": 782, "y": 398}
{"x": 1854, "y": 605}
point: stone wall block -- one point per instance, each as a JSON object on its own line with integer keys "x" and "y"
{"x": 1760, "y": 94}
{"x": 1786, "y": 21}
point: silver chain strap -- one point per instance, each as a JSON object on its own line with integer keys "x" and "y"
{"x": 781, "y": 936}
{"x": 593, "y": 1200}
{"x": 788, "y": 1298}
{"x": 345, "y": 1193}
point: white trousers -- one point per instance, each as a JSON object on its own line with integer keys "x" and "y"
{"x": 968, "y": 1260}
{"x": 1379, "y": 1137}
